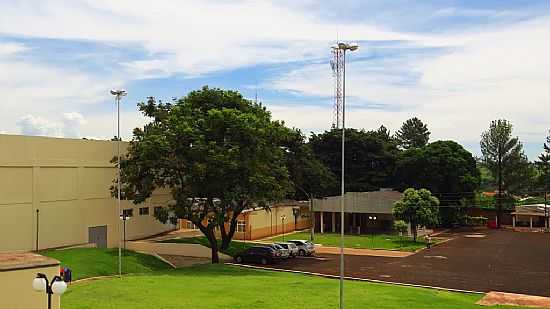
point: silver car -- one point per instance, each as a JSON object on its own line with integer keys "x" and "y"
{"x": 283, "y": 253}
{"x": 291, "y": 247}
{"x": 305, "y": 247}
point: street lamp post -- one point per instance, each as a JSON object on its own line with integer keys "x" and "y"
{"x": 124, "y": 217}
{"x": 372, "y": 218}
{"x": 283, "y": 217}
{"x": 343, "y": 47}
{"x": 42, "y": 284}
{"x": 118, "y": 95}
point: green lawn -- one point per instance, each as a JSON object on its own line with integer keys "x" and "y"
{"x": 234, "y": 248}
{"x": 92, "y": 262}
{"x": 388, "y": 242}
{"x": 219, "y": 286}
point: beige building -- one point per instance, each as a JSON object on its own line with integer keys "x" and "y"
{"x": 259, "y": 223}
{"x": 55, "y": 192}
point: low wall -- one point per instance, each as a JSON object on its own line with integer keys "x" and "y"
{"x": 191, "y": 250}
{"x": 16, "y": 281}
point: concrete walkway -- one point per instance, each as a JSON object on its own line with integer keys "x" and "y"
{"x": 363, "y": 252}
{"x": 171, "y": 249}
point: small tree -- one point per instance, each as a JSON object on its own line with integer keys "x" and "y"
{"x": 400, "y": 227}
{"x": 418, "y": 208}
{"x": 413, "y": 134}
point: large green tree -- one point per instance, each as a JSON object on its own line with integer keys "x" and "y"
{"x": 418, "y": 208}
{"x": 503, "y": 155}
{"x": 309, "y": 176}
{"x": 446, "y": 169}
{"x": 215, "y": 152}
{"x": 370, "y": 157}
{"x": 413, "y": 134}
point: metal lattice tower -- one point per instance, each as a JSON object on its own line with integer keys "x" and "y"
{"x": 337, "y": 64}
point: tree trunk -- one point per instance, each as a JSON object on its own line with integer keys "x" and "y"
{"x": 228, "y": 236}
{"x": 414, "y": 230}
{"x": 213, "y": 246}
{"x": 208, "y": 231}
{"x": 499, "y": 196}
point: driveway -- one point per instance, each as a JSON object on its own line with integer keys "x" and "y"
{"x": 485, "y": 260}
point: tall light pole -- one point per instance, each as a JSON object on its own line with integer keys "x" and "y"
{"x": 339, "y": 50}
{"x": 118, "y": 95}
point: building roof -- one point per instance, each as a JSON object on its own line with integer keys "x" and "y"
{"x": 532, "y": 210}
{"x": 375, "y": 202}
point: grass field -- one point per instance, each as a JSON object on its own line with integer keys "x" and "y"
{"x": 92, "y": 262}
{"x": 388, "y": 242}
{"x": 234, "y": 247}
{"x": 219, "y": 286}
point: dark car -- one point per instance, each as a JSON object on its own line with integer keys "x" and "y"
{"x": 257, "y": 254}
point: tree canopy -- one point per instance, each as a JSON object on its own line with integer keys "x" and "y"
{"x": 413, "y": 134}
{"x": 215, "y": 152}
{"x": 418, "y": 208}
{"x": 370, "y": 157}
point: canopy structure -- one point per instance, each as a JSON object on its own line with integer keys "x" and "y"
{"x": 537, "y": 212}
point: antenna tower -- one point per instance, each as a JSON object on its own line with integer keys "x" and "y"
{"x": 337, "y": 65}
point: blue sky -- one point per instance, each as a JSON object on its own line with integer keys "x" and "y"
{"x": 455, "y": 64}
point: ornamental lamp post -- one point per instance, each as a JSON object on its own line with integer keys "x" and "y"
{"x": 42, "y": 284}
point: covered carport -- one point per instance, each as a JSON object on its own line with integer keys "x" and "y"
{"x": 364, "y": 212}
{"x": 533, "y": 216}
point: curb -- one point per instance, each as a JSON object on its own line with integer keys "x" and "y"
{"x": 359, "y": 279}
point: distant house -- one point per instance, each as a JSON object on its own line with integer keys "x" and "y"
{"x": 365, "y": 212}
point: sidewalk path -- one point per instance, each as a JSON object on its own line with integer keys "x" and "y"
{"x": 363, "y": 252}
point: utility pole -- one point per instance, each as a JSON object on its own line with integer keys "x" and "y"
{"x": 339, "y": 70}
{"x": 118, "y": 95}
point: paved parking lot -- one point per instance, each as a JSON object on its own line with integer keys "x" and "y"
{"x": 484, "y": 261}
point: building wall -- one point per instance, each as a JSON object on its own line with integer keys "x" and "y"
{"x": 262, "y": 223}
{"x": 67, "y": 181}
{"x": 17, "y": 292}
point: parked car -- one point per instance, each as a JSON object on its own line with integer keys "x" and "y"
{"x": 257, "y": 254}
{"x": 284, "y": 253}
{"x": 305, "y": 247}
{"x": 291, "y": 247}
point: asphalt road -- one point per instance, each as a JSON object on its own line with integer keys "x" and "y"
{"x": 491, "y": 260}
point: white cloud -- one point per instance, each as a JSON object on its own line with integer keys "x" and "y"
{"x": 499, "y": 73}
{"x": 193, "y": 37}
{"x": 68, "y": 126}
{"x": 31, "y": 125}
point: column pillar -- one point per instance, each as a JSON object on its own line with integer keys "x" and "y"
{"x": 322, "y": 222}
{"x": 333, "y": 222}
{"x": 531, "y": 222}
{"x": 514, "y": 221}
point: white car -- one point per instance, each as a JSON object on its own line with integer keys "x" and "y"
{"x": 305, "y": 247}
{"x": 292, "y": 248}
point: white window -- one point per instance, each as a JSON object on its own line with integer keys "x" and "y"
{"x": 241, "y": 226}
